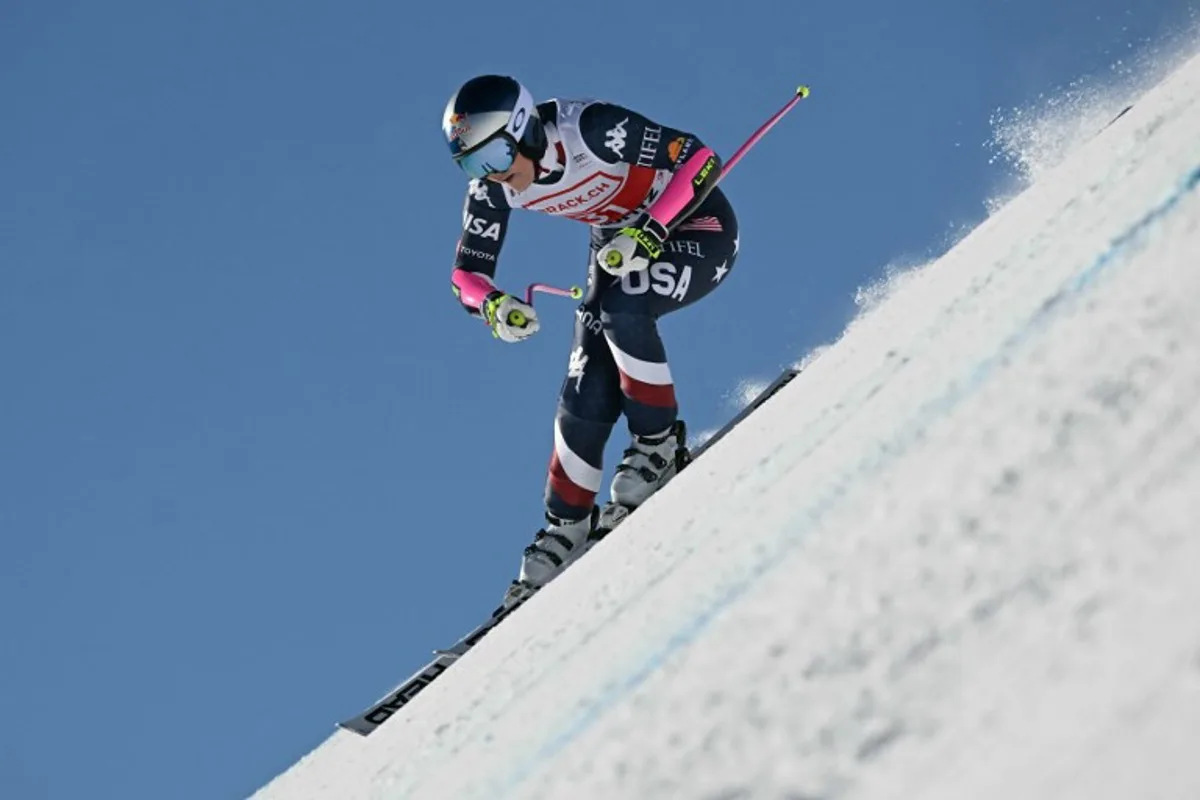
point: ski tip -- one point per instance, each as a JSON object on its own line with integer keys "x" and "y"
{"x": 802, "y": 91}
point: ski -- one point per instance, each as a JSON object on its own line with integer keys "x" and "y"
{"x": 611, "y": 515}
{"x": 766, "y": 394}
{"x": 383, "y": 709}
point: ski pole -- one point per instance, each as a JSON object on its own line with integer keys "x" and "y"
{"x": 575, "y": 293}
{"x": 518, "y": 319}
{"x": 801, "y": 92}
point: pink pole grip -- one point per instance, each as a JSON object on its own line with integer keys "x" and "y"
{"x": 473, "y": 287}
{"x": 679, "y": 191}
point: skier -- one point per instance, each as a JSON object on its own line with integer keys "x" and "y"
{"x": 662, "y": 237}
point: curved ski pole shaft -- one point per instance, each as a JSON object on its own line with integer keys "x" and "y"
{"x": 575, "y": 293}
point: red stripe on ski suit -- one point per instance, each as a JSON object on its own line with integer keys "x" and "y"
{"x": 634, "y": 190}
{"x": 650, "y": 394}
{"x": 572, "y": 493}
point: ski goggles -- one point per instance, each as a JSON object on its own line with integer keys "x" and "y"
{"x": 495, "y": 155}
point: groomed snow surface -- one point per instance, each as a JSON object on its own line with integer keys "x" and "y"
{"x": 958, "y": 557}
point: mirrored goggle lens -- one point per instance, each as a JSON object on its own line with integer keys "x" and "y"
{"x": 496, "y": 155}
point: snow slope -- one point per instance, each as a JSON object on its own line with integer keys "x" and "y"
{"x": 956, "y": 558}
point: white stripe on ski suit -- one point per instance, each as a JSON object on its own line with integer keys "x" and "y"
{"x": 581, "y": 473}
{"x": 656, "y": 373}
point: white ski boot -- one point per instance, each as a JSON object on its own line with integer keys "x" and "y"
{"x": 554, "y": 548}
{"x": 649, "y": 464}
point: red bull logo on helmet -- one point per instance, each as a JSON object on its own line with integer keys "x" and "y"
{"x": 457, "y": 126}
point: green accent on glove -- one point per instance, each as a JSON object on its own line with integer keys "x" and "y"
{"x": 646, "y": 239}
{"x": 490, "y": 305}
{"x": 514, "y": 319}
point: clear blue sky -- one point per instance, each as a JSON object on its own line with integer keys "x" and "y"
{"x": 254, "y": 462}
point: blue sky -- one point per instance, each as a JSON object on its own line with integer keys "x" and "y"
{"x": 254, "y": 462}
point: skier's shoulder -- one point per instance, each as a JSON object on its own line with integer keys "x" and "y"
{"x": 599, "y": 116}
{"x": 604, "y": 126}
{"x": 564, "y": 111}
{"x": 484, "y": 194}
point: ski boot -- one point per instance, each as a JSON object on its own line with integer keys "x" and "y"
{"x": 649, "y": 464}
{"x": 554, "y": 548}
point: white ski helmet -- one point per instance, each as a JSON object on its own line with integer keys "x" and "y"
{"x": 488, "y": 107}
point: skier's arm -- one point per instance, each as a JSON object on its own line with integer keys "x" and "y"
{"x": 485, "y": 222}
{"x": 618, "y": 134}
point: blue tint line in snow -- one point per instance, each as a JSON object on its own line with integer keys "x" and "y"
{"x": 871, "y": 464}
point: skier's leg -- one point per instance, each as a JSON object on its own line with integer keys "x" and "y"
{"x": 589, "y": 404}
{"x": 588, "y": 407}
{"x": 696, "y": 260}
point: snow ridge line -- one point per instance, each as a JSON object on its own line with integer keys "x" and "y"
{"x": 1125, "y": 243}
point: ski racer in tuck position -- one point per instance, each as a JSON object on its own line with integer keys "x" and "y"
{"x": 662, "y": 237}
